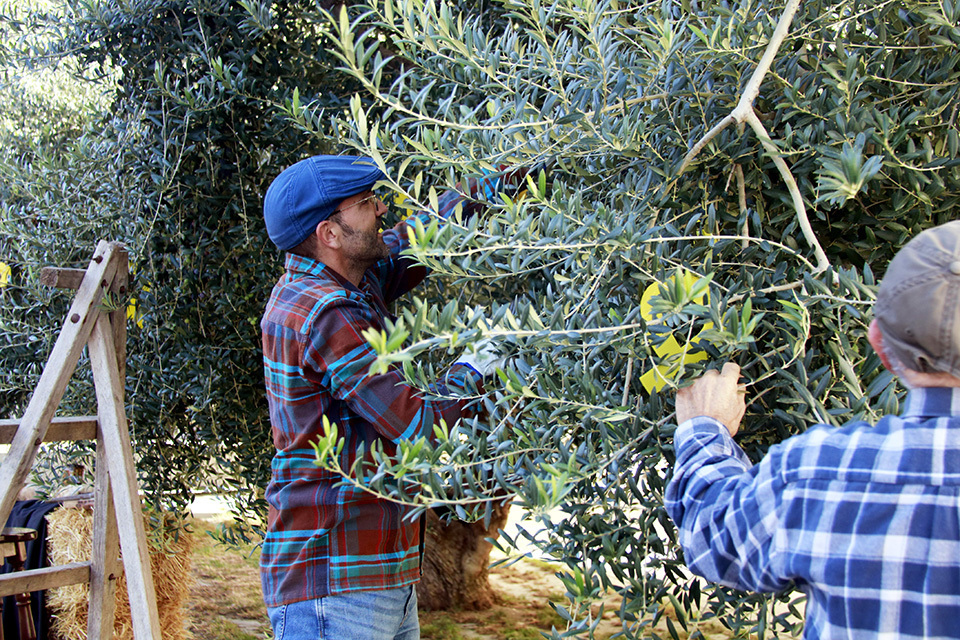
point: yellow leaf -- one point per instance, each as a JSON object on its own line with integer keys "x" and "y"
{"x": 654, "y": 380}
{"x": 132, "y": 312}
{"x": 5, "y": 273}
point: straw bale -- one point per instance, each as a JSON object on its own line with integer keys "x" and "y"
{"x": 69, "y": 540}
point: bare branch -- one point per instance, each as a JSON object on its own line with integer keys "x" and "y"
{"x": 744, "y": 112}
{"x": 704, "y": 141}
{"x": 752, "y": 90}
{"x": 757, "y": 126}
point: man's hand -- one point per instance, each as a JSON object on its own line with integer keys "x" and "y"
{"x": 716, "y": 395}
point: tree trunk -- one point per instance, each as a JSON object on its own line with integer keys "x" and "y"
{"x": 455, "y": 562}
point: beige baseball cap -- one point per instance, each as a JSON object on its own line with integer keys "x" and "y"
{"x": 918, "y": 303}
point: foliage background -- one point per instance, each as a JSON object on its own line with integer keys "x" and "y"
{"x": 586, "y": 281}
{"x": 187, "y": 126}
{"x": 208, "y": 100}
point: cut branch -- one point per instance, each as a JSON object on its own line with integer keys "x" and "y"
{"x": 744, "y": 112}
{"x": 757, "y": 126}
{"x": 704, "y": 141}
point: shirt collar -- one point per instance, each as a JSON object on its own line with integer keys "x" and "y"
{"x": 303, "y": 266}
{"x": 932, "y": 402}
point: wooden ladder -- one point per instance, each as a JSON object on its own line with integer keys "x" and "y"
{"x": 117, "y": 517}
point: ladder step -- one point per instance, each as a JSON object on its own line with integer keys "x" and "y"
{"x": 46, "y": 578}
{"x": 61, "y": 278}
{"x": 61, "y": 429}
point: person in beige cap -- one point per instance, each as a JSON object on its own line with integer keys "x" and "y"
{"x": 865, "y": 519}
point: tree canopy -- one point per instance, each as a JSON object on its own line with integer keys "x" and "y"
{"x": 196, "y": 123}
{"x": 682, "y": 223}
{"x": 678, "y": 224}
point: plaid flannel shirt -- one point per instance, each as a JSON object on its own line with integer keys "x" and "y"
{"x": 322, "y": 537}
{"x": 865, "y": 520}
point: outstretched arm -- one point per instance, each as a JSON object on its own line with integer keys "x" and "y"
{"x": 338, "y": 357}
{"x": 726, "y": 509}
{"x": 399, "y": 275}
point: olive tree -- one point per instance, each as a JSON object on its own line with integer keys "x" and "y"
{"x": 725, "y": 182}
{"x": 194, "y": 108}
{"x": 193, "y": 124}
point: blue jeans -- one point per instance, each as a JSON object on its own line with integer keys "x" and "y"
{"x": 388, "y": 614}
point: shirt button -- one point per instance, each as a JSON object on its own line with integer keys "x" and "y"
{"x": 955, "y": 267}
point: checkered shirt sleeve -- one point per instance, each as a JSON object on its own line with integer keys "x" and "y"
{"x": 864, "y": 519}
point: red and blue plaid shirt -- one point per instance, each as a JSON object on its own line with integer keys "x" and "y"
{"x": 325, "y": 537}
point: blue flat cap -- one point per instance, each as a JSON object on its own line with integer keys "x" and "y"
{"x": 306, "y": 193}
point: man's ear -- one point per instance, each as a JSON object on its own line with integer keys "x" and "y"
{"x": 328, "y": 234}
{"x": 875, "y": 337}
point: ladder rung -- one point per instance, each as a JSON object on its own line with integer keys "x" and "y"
{"x": 46, "y": 578}
{"x": 61, "y": 429}
{"x": 62, "y": 278}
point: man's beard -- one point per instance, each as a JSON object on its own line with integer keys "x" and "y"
{"x": 364, "y": 248}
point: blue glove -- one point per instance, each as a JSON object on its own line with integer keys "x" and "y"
{"x": 511, "y": 180}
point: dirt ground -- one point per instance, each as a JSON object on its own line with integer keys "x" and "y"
{"x": 525, "y": 590}
{"x": 225, "y": 602}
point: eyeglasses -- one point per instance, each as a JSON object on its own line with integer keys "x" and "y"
{"x": 355, "y": 204}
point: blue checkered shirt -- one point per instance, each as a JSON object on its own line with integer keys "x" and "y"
{"x": 864, "y": 519}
